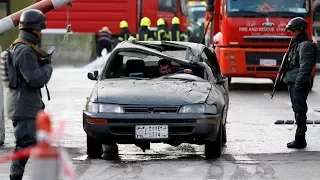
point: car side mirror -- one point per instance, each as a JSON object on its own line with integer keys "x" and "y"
{"x": 93, "y": 76}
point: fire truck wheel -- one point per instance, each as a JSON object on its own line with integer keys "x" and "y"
{"x": 94, "y": 148}
{"x": 229, "y": 81}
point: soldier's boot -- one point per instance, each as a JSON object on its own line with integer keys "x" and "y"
{"x": 300, "y": 140}
{"x": 298, "y": 143}
{"x": 15, "y": 177}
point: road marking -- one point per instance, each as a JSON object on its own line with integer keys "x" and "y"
{"x": 245, "y": 158}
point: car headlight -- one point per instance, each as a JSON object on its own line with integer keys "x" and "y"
{"x": 101, "y": 108}
{"x": 199, "y": 108}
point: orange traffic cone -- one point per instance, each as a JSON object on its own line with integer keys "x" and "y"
{"x": 45, "y": 157}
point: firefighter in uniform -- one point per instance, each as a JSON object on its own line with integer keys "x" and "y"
{"x": 104, "y": 40}
{"x": 144, "y": 34}
{"x": 25, "y": 101}
{"x": 302, "y": 59}
{"x": 175, "y": 33}
{"x": 124, "y": 33}
{"x": 162, "y": 33}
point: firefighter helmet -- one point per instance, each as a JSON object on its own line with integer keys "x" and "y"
{"x": 175, "y": 20}
{"x": 32, "y": 19}
{"x": 123, "y": 24}
{"x": 160, "y": 22}
{"x": 297, "y": 23}
{"x": 145, "y": 22}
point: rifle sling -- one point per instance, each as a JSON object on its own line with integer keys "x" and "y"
{"x": 41, "y": 52}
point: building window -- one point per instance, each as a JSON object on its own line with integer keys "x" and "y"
{"x": 4, "y": 8}
{"x": 167, "y": 5}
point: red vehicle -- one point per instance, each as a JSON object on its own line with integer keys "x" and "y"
{"x": 89, "y": 16}
{"x": 250, "y": 37}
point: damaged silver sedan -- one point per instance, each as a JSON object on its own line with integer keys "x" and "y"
{"x": 152, "y": 92}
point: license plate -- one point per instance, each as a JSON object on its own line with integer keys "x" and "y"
{"x": 268, "y": 62}
{"x": 152, "y": 131}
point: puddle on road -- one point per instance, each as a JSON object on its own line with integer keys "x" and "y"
{"x": 158, "y": 151}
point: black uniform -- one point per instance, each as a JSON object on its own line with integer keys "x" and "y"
{"x": 124, "y": 34}
{"x": 302, "y": 59}
{"x": 104, "y": 41}
{"x": 176, "y": 33}
{"x": 162, "y": 33}
{"x": 25, "y": 101}
{"x": 144, "y": 34}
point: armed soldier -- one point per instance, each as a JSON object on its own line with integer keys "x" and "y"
{"x": 33, "y": 71}
{"x": 302, "y": 58}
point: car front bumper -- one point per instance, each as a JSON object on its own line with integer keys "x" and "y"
{"x": 182, "y": 128}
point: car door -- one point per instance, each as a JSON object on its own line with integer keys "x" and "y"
{"x": 223, "y": 81}
{"x": 214, "y": 65}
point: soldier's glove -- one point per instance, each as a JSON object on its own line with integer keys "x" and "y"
{"x": 47, "y": 59}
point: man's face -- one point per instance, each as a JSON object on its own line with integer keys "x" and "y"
{"x": 166, "y": 69}
{"x": 295, "y": 33}
{"x": 37, "y": 32}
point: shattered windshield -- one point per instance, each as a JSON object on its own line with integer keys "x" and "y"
{"x": 268, "y": 7}
{"x": 137, "y": 65}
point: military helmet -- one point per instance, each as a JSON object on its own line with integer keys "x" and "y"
{"x": 297, "y": 23}
{"x": 123, "y": 24}
{"x": 175, "y": 20}
{"x": 160, "y": 22}
{"x": 32, "y": 19}
{"x": 145, "y": 22}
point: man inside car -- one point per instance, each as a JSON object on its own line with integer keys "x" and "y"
{"x": 165, "y": 67}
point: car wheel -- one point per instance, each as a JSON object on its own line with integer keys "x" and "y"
{"x": 94, "y": 148}
{"x": 311, "y": 84}
{"x": 224, "y": 134}
{"x": 214, "y": 149}
{"x": 110, "y": 151}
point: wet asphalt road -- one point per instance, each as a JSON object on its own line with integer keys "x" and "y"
{"x": 256, "y": 147}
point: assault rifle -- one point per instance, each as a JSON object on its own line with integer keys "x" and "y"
{"x": 283, "y": 68}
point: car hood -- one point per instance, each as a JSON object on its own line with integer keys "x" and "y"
{"x": 151, "y": 92}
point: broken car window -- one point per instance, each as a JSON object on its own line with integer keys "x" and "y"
{"x": 133, "y": 65}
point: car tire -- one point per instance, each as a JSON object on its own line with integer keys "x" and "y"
{"x": 224, "y": 134}
{"x": 94, "y": 148}
{"x": 110, "y": 151}
{"x": 214, "y": 149}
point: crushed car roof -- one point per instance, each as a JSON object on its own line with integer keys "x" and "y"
{"x": 194, "y": 50}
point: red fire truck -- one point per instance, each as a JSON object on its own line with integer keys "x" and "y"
{"x": 250, "y": 37}
{"x": 89, "y": 16}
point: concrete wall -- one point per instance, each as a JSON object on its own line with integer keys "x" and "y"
{"x": 79, "y": 50}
